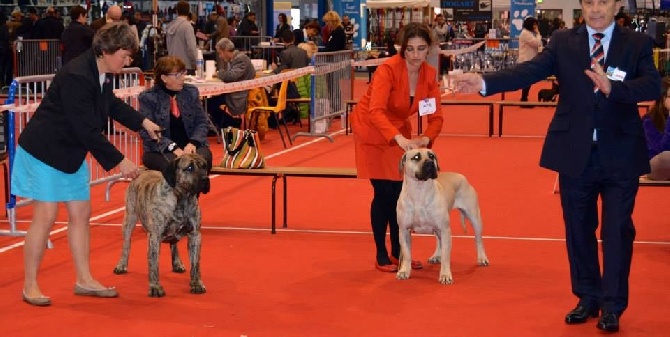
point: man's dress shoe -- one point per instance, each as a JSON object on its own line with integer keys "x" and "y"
{"x": 609, "y": 322}
{"x": 580, "y": 314}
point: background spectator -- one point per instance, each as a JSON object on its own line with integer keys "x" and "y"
{"x": 337, "y": 39}
{"x": 49, "y": 27}
{"x": 77, "y": 37}
{"x": 530, "y": 42}
{"x": 657, "y": 132}
{"x": 281, "y": 27}
{"x": 234, "y": 66}
{"x": 180, "y": 37}
{"x": 113, "y": 15}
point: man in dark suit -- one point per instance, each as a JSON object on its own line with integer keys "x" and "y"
{"x": 595, "y": 142}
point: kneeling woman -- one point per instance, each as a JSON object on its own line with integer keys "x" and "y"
{"x": 177, "y": 109}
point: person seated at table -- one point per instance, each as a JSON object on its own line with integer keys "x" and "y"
{"x": 176, "y": 108}
{"x": 234, "y": 66}
{"x": 292, "y": 57}
{"x": 657, "y": 132}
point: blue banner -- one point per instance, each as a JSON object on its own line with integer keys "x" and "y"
{"x": 518, "y": 11}
{"x": 352, "y": 9}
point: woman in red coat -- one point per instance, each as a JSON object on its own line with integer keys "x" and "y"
{"x": 382, "y": 131}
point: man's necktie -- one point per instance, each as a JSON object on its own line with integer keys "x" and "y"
{"x": 598, "y": 52}
{"x": 173, "y": 107}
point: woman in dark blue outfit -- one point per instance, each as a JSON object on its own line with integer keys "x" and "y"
{"x": 177, "y": 109}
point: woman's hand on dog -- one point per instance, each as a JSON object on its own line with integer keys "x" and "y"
{"x": 128, "y": 169}
{"x": 189, "y": 148}
{"x": 407, "y": 144}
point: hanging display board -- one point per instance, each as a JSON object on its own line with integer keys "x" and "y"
{"x": 469, "y": 10}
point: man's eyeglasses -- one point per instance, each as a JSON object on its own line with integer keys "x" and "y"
{"x": 178, "y": 74}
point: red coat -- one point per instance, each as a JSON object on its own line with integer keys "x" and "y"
{"x": 384, "y": 111}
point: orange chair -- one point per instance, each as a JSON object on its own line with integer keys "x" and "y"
{"x": 278, "y": 112}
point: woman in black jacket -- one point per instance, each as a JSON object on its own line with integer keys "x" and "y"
{"x": 338, "y": 39}
{"x": 50, "y": 164}
{"x": 281, "y": 27}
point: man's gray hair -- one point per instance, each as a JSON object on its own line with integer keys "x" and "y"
{"x": 225, "y": 45}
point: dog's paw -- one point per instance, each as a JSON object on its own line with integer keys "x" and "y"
{"x": 434, "y": 260}
{"x": 120, "y": 270}
{"x": 446, "y": 279}
{"x": 402, "y": 275}
{"x": 156, "y": 291}
{"x": 483, "y": 262}
{"x": 197, "y": 287}
{"x": 178, "y": 268}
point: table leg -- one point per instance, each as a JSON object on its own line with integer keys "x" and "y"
{"x": 285, "y": 202}
{"x": 500, "y": 120}
{"x": 274, "y": 203}
{"x": 491, "y": 120}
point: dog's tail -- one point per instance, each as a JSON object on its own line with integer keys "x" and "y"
{"x": 463, "y": 216}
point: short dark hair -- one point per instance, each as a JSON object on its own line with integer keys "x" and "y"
{"x": 313, "y": 25}
{"x": 413, "y": 29}
{"x": 77, "y": 11}
{"x": 182, "y": 8}
{"x": 287, "y": 36}
{"x": 529, "y": 22}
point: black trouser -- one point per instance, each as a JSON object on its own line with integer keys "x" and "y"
{"x": 159, "y": 161}
{"x": 383, "y": 215}
{"x": 579, "y": 198}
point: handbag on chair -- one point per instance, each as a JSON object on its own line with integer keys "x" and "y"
{"x": 241, "y": 149}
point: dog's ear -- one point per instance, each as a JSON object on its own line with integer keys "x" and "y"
{"x": 401, "y": 165}
{"x": 170, "y": 172}
{"x": 205, "y": 186}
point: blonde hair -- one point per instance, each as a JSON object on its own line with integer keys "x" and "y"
{"x": 310, "y": 47}
{"x": 332, "y": 19}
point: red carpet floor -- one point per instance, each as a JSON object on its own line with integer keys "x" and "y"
{"x": 317, "y": 278}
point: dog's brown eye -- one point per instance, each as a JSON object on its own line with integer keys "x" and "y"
{"x": 189, "y": 168}
{"x": 416, "y": 157}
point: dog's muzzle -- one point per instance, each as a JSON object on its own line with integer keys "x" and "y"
{"x": 428, "y": 170}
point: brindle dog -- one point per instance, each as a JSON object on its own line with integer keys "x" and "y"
{"x": 167, "y": 206}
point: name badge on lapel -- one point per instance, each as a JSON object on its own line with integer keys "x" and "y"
{"x": 615, "y": 74}
{"x": 427, "y": 106}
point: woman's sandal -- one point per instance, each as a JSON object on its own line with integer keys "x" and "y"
{"x": 41, "y": 301}
{"x": 104, "y": 292}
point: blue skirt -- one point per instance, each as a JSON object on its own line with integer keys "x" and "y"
{"x": 32, "y": 178}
